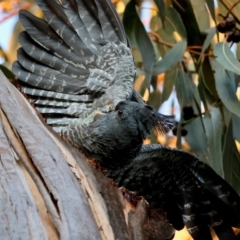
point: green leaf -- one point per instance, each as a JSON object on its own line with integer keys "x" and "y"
{"x": 231, "y": 160}
{"x": 169, "y": 80}
{"x": 171, "y": 58}
{"x": 201, "y": 14}
{"x": 139, "y": 37}
{"x": 161, "y": 8}
{"x": 187, "y": 13}
{"x": 226, "y": 88}
{"x": 207, "y": 75}
{"x": 225, "y": 57}
{"x": 227, "y": 115}
{"x": 203, "y": 92}
{"x": 236, "y": 127}
{"x": 211, "y": 7}
{"x": 161, "y": 48}
{"x": 210, "y": 34}
{"x": 185, "y": 89}
{"x": 197, "y": 139}
{"x": 235, "y": 175}
{"x": 213, "y": 128}
{"x": 7, "y": 72}
{"x": 174, "y": 22}
{"x": 9, "y": 75}
{"x": 155, "y": 99}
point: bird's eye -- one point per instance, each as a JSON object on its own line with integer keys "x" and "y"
{"x": 120, "y": 112}
{"x": 119, "y": 104}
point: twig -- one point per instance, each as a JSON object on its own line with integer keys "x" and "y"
{"x": 230, "y": 10}
{"x": 234, "y": 16}
{"x": 157, "y": 39}
{"x": 179, "y": 6}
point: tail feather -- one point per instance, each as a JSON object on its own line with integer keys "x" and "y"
{"x": 221, "y": 190}
{"x": 224, "y": 231}
{"x": 171, "y": 207}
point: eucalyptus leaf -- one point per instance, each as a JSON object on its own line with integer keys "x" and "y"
{"x": 210, "y": 34}
{"x": 203, "y": 92}
{"x": 155, "y": 23}
{"x": 154, "y": 99}
{"x": 187, "y": 13}
{"x": 226, "y": 88}
{"x": 139, "y": 37}
{"x": 211, "y": 7}
{"x": 185, "y": 89}
{"x": 213, "y": 127}
{"x": 225, "y": 57}
{"x": 195, "y": 133}
{"x": 227, "y": 152}
{"x": 171, "y": 58}
{"x": 161, "y": 8}
{"x": 201, "y": 14}
{"x": 9, "y": 74}
{"x": 174, "y": 21}
{"x": 205, "y": 95}
{"x": 227, "y": 115}
{"x": 161, "y": 48}
{"x": 236, "y": 127}
{"x": 231, "y": 161}
{"x": 207, "y": 75}
{"x": 167, "y": 33}
{"x": 169, "y": 80}
{"x": 235, "y": 178}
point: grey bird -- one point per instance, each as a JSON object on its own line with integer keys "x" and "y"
{"x": 77, "y": 68}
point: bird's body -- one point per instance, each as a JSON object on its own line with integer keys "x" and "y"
{"x": 77, "y": 68}
{"x": 188, "y": 190}
{"x": 103, "y": 138}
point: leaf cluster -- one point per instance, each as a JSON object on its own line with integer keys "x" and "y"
{"x": 200, "y": 66}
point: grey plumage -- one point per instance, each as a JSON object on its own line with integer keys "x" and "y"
{"x": 55, "y": 57}
{"x": 188, "y": 190}
{"x": 77, "y": 68}
{"x": 116, "y": 138}
{"x": 77, "y": 63}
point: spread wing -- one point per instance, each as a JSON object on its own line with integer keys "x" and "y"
{"x": 76, "y": 61}
{"x": 188, "y": 190}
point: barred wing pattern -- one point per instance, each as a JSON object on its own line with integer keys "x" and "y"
{"x": 188, "y": 190}
{"x": 76, "y": 62}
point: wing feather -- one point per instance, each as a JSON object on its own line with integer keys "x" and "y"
{"x": 80, "y": 49}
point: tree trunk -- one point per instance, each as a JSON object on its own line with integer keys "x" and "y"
{"x": 50, "y": 191}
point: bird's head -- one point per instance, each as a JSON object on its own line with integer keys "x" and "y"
{"x": 146, "y": 118}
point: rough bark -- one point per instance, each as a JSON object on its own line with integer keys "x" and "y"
{"x": 48, "y": 190}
